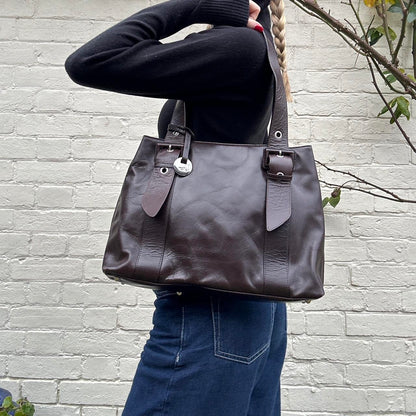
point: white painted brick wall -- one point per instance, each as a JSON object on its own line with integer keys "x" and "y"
{"x": 353, "y": 352}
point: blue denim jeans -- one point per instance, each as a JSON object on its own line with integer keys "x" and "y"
{"x": 210, "y": 355}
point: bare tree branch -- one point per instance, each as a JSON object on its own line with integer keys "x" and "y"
{"x": 407, "y": 138}
{"x": 393, "y": 196}
{"x": 312, "y": 8}
{"x": 368, "y": 192}
{"x": 361, "y": 45}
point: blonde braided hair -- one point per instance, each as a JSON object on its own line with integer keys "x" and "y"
{"x": 278, "y": 29}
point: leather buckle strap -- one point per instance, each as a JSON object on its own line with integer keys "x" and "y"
{"x": 170, "y": 148}
{"x": 278, "y": 164}
{"x": 161, "y": 179}
{"x": 171, "y": 157}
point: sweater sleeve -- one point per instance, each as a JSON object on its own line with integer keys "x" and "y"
{"x": 129, "y": 58}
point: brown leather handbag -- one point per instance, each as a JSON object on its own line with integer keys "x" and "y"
{"x": 238, "y": 218}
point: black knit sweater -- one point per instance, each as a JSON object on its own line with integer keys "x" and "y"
{"x": 222, "y": 74}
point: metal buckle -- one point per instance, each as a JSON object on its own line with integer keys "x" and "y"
{"x": 170, "y": 146}
{"x": 285, "y": 172}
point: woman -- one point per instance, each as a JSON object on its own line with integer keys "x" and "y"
{"x": 208, "y": 354}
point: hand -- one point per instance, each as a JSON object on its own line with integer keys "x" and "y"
{"x": 253, "y": 10}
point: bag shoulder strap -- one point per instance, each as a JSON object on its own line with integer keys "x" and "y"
{"x": 277, "y": 157}
{"x": 278, "y": 131}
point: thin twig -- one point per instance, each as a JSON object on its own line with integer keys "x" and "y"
{"x": 365, "y": 34}
{"x": 369, "y": 192}
{"x": 386, "y": 30}
{"x": 389, "y": 84}
{"x": 405, "y": 11}
{"x": 364, "y": 181}
{"x": 357, "y": 16}
{"x": 406, "y": 137}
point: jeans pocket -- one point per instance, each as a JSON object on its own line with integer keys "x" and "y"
{"x": 242, "y": 329}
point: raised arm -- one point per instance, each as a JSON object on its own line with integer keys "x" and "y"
{"x": 129, "y": 58}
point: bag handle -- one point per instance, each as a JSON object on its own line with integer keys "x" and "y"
{"x": 278, "y": 131}
{"x": 277, "y": 157}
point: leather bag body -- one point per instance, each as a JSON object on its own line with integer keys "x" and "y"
{"x": 238, "y": 218}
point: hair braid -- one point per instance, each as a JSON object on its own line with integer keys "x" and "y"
{"x": 278, "y": 28}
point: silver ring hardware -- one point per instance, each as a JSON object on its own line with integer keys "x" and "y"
{"x": 278, "y": 134}
{"x": 164, "y": 170}
{"x": 182, "y": 169}
{"x": 170, "y": 149}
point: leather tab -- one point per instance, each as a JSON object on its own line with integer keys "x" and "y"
{"x": 278, "y": 203}
{"x": 279, "y": 165}
{"x": 177, "y": 140}
{"x": 161, "y": 180}
{"x": 187, "y": 144}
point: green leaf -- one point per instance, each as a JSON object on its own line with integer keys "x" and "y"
{"x": 397, "y": 114}
{"x": 403, "y": 104}
{"x": 392, "y": 33}
{"x": 385, "y": 108}
{"x": 396, "y": 7}
{"x": 4, "y": 413}
{"x": 402, "y": 108}
{"x": 390, "y": 77}
{"x": 374, "y": 35}
{"x": 28, "y": 408}
{"x": 412, "y": 14}
{"x": 325, "y": 201}
{"x": 7, "y": 402}
{"x": 20, "y": 412}
{"x": 334, "y": 201}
